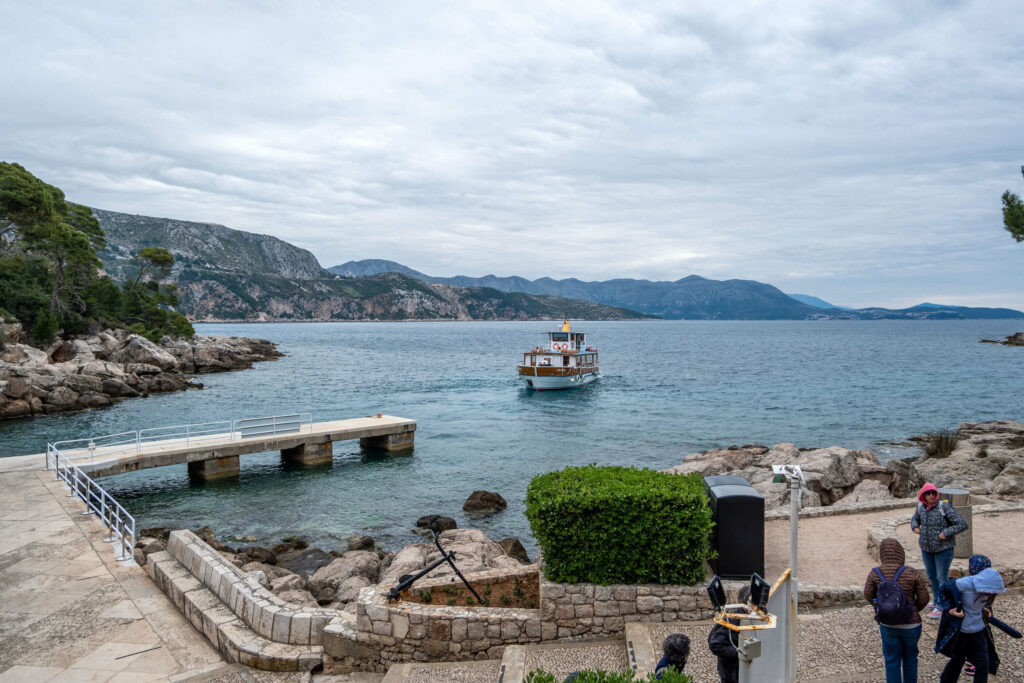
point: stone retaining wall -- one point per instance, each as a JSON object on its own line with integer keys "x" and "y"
{"x": 267, "y": 614}
{"x": 385, "y": 633}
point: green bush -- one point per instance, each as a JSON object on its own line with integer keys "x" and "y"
{"x": 598, "y": 676}
{"x": 941, "y": 444}
{"x": 620, "y": 525}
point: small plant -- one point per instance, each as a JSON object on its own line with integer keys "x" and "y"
{"x": 450, "y": 602}
{"x": 487, "y": 591}
{"x": 531, "y": 604}
{"x": 469, "y": 600}
{"x": 941, "y": 444}
{"x": 520, "y": 593}
{"x": 449, "y": 590}
{"x": 425, "y": 596}
{"x": 669, "y": 675}
{"x": 505, "y": 598}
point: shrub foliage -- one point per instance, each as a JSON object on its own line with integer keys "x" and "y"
{"x": 620, "y": 525}
{"x": 941, "y": 444}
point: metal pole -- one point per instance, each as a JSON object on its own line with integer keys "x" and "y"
{"x": 795, "y": 493}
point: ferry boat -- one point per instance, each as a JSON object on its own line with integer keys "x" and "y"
{"x": 566, "y": 362}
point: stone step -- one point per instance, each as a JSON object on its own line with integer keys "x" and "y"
{"x": 487, "y": 670}
{"x": 222, "y": 627}
{"x": 563, "y": 658}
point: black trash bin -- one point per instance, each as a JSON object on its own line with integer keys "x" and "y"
{"x": 737, "y": 509}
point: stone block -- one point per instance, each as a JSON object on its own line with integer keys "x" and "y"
{"x": 435, "y": 648}
{"x": 439, "y": 629}
{"x": 382, "y": 628}
{"x": 460, "y": 630}
{"x": 378, "y": 613}
{"x": 265, "y": 625}
{"x": 565, "y": 612}
{"x": 606, "y": 609}
{"x": 627, "y": 607}
{"x": 648, "y": 604}
{"x": 213, "y": 618}
{"x": 548, "y": 630}
{"x": 584, "y": 611}
{"x": 602, "y": 593}
{"x": 400, "y": 626}
{"x": 214, "y": 468}
{"x": 282, "y": 626}
{"x": 310, "y": 453}
{"x": 624, "y": 593}
{"x": 613, "y": 624}
{"x": 475, "y": 630}
{"x": 533, "y": 628}
{"x": 510, "y": 630}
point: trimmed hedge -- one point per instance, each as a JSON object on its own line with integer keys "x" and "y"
{"x": 620, "y": 525}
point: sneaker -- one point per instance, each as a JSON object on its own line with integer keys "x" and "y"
{"x": 934, "y": 614}
{"x": 930, "y": 606}
{"x": 969, "y": 669}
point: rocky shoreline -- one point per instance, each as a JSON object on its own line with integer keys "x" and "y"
{"x": 1013, "y": 340}
{"x": 986, "y": 458}
{"x": 102, "y": 369}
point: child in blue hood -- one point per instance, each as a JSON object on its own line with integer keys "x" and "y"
{"x": 977, "y": 593}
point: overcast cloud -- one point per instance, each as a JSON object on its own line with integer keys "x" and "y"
{"x": 855, "y": 151}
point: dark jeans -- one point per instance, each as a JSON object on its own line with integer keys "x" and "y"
{"x": 899, "y": 647}
{"x": 936, "y": 565}
{"x": 972, "y": 646}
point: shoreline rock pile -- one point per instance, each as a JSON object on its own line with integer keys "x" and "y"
{"x": 988, "y": 460}
{"x": 102, "y": 369}
{"x": 312, "y": 577}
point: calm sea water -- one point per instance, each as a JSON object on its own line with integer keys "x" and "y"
{"x": 669, "y": 388}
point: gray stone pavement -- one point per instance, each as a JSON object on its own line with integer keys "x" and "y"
{"x": 69, "y": 611}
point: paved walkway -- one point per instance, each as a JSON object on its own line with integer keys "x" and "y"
{"x": 69, "y": 611}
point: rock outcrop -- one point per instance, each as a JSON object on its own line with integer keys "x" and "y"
{"x": 102, "y": 369}
{"x": 1016, "y": 339}
{"x": 484, "y": 502}
{"x": 988, "y": 460}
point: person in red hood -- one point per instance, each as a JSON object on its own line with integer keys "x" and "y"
{"x": 936, "y": 522}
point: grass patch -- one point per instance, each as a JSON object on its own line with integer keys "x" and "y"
{"x": 940, "y": 444}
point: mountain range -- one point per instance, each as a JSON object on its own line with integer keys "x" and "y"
{"x": 227, "y": 274}
{"x": 690, "y": 298}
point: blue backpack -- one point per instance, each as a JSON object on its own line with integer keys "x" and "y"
{"x": 892, "y": 607}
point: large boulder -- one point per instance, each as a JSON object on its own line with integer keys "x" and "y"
{"x": 305, "y": 562}
{"x": 353, "y": 563}
{"x": 141, "y": 350}
{"x": 473, "y": 552}
{"x": 867, "y": 491}
{"x": 24, "y": 356}
{"x": 514, "y": 549}
{"x": 484, "y": 502}
{"x": 436, "y": 523}
{"x": 409, "y": 560}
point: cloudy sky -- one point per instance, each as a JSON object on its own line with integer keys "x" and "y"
{"x": 851, "y": 150}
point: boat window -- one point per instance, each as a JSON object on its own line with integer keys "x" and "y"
{"x": 565, "y": 360}
{"x": 559, "y": 336}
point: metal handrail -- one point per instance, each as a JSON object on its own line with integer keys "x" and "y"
{"x": 124, "y": 442}
{"x": 287, "y": 423}
{"x": 190, "y": 433}
{"x": 97, "y": 501}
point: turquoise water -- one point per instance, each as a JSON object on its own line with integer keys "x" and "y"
{"x": 669, "y": 388}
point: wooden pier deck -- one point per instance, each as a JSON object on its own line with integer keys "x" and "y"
{"x": 216, "y": 455}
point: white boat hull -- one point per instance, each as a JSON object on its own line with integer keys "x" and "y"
{"x": 548, "y": 383}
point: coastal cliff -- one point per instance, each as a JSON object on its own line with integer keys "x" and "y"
{"x": 102, "y": 369}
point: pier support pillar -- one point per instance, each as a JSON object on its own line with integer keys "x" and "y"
{"x": 214, "y": 468}
{"x": 310, "y": 453}
{"x": 397, "y": 441}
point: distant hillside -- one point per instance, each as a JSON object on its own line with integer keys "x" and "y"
{"x": 816, "y": 302}
{"x": 225, "y": 274}
{"x": 204, "y": 246}
{"x": 691, "y": 298}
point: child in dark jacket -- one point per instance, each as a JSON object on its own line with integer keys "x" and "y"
{"x": 723, "y": 643}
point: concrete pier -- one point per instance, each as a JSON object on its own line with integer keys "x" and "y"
{"x": 215, "y": 456}
{"x": 310, "y": 453}
{"x": 214, "y": 468}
